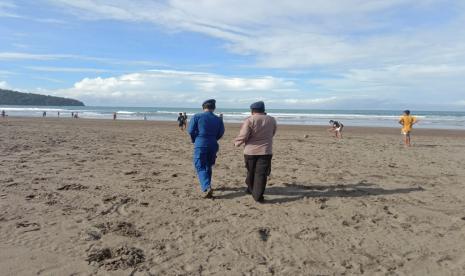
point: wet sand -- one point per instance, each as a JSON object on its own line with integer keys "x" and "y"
{"x": 96, "y": 197}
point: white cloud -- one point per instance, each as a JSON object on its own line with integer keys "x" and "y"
{"x": 157, "y": 87}
{"x": 6, "y": 73}
{"x": 409, "y": 85}
{"x": 12, "y": 56}
{"x": 9, "y": 9}
{"x": 295, "y": 33}
{"x": 365, "y": 50}
{"x": 66, "y": 69}
{"x": 4, "y": 85}
{"x": 48, "y": 79}
{"x": 312, "y": 101}
{"x": 6, "y": 8}
{"x": 29, "y": 56}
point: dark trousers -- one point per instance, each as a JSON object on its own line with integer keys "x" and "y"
{"x": 258, "y": 170}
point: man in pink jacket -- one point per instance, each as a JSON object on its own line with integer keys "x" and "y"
{"x": 257, "y": 134}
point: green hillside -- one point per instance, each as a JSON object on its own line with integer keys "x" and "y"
{"x": 9, "y": 97}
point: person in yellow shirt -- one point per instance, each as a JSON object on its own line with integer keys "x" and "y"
{"x": 407, "y": 121}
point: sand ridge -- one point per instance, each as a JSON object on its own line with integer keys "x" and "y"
{"x": 89, "y": 197}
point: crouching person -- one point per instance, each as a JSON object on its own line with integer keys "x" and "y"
{"x": 257, "y": 134}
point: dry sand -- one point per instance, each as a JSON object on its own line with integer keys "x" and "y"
{"x": 86, "y": 197}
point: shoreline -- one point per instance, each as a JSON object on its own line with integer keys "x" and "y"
{"x": 347, "y": 129}
{"x": 454, "y": 120}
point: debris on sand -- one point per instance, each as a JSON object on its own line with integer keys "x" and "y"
{"x": 264, "y": 234}
{"x": 122, "y": 257}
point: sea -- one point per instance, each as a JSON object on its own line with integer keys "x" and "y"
{"x": 368, "y": 118}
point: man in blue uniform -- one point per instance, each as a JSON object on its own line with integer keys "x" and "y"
{"x": 205, "y": 130}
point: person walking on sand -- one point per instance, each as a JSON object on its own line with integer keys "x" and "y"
{"x": 181, "y": 121}
{"x": 205, "y": 130}
{"x": 44, "y": 114}
{"x": 407, "y": 121}
{"x": 185, "y": 120}
{"x": 3, "y": 114}
{"x": 257, "y": 134}
{"x": 336, "y": 127}
{"x": 114, "y": 115}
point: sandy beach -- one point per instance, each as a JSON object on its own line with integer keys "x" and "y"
{"x": 101, "y": 197}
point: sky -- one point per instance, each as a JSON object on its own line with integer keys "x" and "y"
{"x": 303, "y": 54}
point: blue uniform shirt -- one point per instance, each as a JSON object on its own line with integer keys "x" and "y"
{"x": 205, "y": 130}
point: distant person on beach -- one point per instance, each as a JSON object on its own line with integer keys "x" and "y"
{"x": 3, "y": 114}
{"x": 205, "y": 130}
{"x": 72, "y": 114}
{"x": 257, "y": 134}
{"x": 181, "y": 121}
{"x": 337, "y": 128}
{"x": 44, "y": 114}
{"x": 114, "y": 115}
{"x": 76, "y": 115}
{"x": 58, "y": 113}
{"x": 221, "y": 116}
{"x": 185, "y": 120}
{"x": 407, "y": 121}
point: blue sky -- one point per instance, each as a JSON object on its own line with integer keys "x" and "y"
{"x": 351, "y": 54}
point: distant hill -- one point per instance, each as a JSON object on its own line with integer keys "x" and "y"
{"x": 9, "y": 97}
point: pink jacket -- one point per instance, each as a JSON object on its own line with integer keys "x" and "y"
{"x": 256, "y": 134}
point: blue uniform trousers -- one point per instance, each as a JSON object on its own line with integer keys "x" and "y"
{"x": 204, "y": 159}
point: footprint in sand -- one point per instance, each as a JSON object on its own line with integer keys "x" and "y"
{"x": 122, "y": 228}
{"x": 264, "y": 234}
{"x": 93, "y": 235}
{"x": 322, "y": 201}
{"x": 118, "y": 206}
{"x": 131, "y": 172}
{"x": 26, "y": 226}
{"x": 31, "y": 196}
{"x": 388, "y": 212}
{"x": 122, "y": 257}
{"x": 73, "y": 186}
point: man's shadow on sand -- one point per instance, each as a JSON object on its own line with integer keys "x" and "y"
{"x": 295, "y": 191}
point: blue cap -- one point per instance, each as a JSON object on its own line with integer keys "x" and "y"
{"x": 258, "y": 106}
{"x": 210, "y": 101}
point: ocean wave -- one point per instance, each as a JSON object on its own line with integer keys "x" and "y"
{"x": 33, "y": 109}
{"x": 295, "y": 117}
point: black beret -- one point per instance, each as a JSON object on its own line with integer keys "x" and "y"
{"x": 210, "y": 101}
